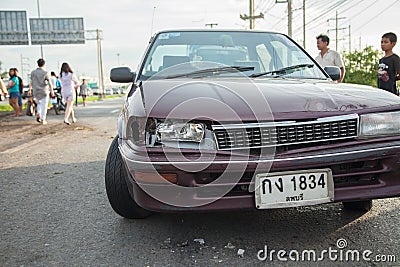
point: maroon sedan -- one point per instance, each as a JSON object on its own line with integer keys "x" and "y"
{"x": 231, "y": 120}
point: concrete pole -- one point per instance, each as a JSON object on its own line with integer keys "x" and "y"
{"x": 290, "y": 18}
{"x": 100, "y": 64}
{"x": 41, "y": 46}
{"x": 349, "y": 38}
{"x": 251, "y": 14}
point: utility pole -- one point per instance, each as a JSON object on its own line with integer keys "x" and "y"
{"x": 41, "y": 46}
{"x": 211, "y": 25}
{"x": 100, "y": 63}
{"x": 98, "y": 38}
{"x": 289, "y": 8}
{"x": 349, "y": 38}
{"x": 290, "y": 14}
{"x": 252, "y": 17}
{"x": 336, "y": 29}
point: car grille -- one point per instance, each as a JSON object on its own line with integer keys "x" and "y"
{"x": 256, "y": 135}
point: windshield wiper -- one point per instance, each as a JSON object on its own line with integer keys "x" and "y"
{"x": 214, "y": 71}
{"x": 283, "y": 70}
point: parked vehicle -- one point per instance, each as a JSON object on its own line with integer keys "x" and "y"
{"x": 220, "y": 120}
{"x": 116, "y": 91}
{"x": 95, "y": 90}
{"x": 109, "y": 91}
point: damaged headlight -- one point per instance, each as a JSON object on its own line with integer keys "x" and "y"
{"x": 180, "y": 131}
{"x": 155, "y": 132}
{"x": 380, "y": 124}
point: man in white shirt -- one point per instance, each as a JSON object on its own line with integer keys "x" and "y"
{"x": 328, "y": 57}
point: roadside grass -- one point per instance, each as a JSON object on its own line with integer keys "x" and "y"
{"x": 5, "y": 107}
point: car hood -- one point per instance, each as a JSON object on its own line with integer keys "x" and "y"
{"x": 259, "y": 99}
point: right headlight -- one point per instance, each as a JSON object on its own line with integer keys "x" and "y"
{"x": 379, "y": 124}
{"x": 155, "y": 132}
{"x": 180, "y": 131}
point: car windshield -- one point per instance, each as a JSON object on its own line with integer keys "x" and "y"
{"x": 254, "y": 54}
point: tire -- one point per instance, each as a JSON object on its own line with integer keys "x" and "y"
{"x": 55, "y": 107}
{"x": 365, "y": 205}
{"x": 30, "y": 109}
{"x": 116, "y": 187}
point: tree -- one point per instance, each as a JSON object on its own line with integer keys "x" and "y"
{"x": 2, "y": 74}
{"x": 362, "y": 66}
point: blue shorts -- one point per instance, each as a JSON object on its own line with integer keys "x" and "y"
{"x": 17, "y": 95}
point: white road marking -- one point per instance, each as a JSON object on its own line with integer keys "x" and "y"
{"x": 115, "y": 111}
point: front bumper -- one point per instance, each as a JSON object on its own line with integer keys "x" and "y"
{"x": 360, "y": 172}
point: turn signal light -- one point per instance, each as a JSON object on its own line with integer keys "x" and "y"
{"x": 154, "y": 177}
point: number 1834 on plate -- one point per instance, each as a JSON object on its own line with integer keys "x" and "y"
{"x": 293, "y": 188}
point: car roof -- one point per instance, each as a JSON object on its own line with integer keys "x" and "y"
{"x": 214, "y": 30}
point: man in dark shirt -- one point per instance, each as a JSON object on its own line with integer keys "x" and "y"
{"x": 389, "y": 65}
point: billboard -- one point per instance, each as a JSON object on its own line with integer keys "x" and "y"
{"x": 57, "y": 31}
{"x": 13, "y": 28}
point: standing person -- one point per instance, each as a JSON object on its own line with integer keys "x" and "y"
{"x": 3, "y": 87}
{"x": 329, "y": 57}
{"x": 69, "y": 83}
{"x": 39, "y": 86}
{"x": 13, "y": 90}
{"x": 53, "y": 79}
{"x": 84, "y": 91}
{"x": 55, "y": 82}
{"x": 21, "y": 89}
{"x": 389, "y": 65}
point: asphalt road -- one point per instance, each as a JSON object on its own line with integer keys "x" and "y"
{"x": 54, "y": 212}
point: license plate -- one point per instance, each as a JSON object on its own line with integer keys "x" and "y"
{"x": 293, "y": 188}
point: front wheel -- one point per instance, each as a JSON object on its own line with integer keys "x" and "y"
{"x": 116, "y": 187}
{"x": 55, "y": 107}
{"x": 30, "y": 108}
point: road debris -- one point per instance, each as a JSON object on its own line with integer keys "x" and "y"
{"x": 199, "y": 240}
{"x": 184, "y": 244}
{"x": 240, "y": 253}
{"x": 230, "y": 246}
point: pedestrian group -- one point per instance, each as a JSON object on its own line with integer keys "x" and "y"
{"x": 42, "y": 89}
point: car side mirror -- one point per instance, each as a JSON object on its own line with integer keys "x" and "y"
{"x": 122, "y": 75}
{"x": 333, "y": 72}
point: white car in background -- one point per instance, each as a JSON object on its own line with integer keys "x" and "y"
{"x": 95, "y": 90}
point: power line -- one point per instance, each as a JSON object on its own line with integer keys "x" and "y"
{"x": 376, "y": 16}
{"x": 367, "y": 7}
{"x": 329, "y": 9}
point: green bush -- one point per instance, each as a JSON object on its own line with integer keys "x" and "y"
{"x": 362, "y": 66}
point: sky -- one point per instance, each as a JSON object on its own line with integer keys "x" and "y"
{"x": 127, "y": 26}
